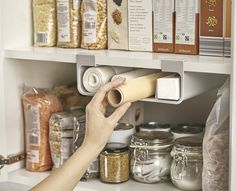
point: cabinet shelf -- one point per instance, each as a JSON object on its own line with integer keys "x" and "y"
{"x": 32, "y": 178}
{"x": 202, "y": 64}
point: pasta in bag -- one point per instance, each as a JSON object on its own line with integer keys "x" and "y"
{"x": 45, "y": 23}
{"x": 38, "y": 105}
{"x": 216, "y": 144}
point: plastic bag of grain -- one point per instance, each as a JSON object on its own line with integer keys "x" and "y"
{"x": 94, "y": 24}
{"x": 216, "y": 144}
{"x": 68, "y": 23}
{"x": 45, "y": 22}
{"x": 38, "y": 105}
{"x": 70, "y": 97}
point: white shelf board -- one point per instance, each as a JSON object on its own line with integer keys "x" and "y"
{"x": 32, "y": 178}
{"x": 192, "y": 63}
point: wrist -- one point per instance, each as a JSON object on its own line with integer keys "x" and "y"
{"x": 92, "y": 147}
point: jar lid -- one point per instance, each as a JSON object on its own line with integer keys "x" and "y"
{"x": 154, "y": 126}
{"x": 189, "y": 142}
{"x": 123, "y": 126}
{"x": 151, "y": 138}
{"x": 116, "y": 147}
{"x": 187, "y": 129}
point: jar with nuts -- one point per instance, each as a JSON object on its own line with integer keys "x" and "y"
{"x": 114, "y": 163}
{"x": 94, "y": 24}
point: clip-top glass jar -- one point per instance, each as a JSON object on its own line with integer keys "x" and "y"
{"x": 114, "y": 163}
{"x": 150, "y": 156}
{"x": 186, "y": 168}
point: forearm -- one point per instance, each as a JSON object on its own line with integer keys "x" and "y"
{"x": 66, "y": 177}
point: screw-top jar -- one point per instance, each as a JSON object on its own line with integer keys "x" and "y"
{"x": 154, "y": 126}
{"x": 186, "y": 168}
{"x": 114, "y": 163}
{"x": 185, "y": 130}
{"x": 150, "y": 156}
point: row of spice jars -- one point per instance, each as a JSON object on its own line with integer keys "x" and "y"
{"x": 153, "y": 158}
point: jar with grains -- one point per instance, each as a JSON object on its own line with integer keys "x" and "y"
{"x": 114, "y": 163}
{"x": 187, "y": 130}
{"x": 154, "y": 126}
{"x": 94, "y": 24}
{"x": 61, "y": 127}
{"x": 45, "y": 22}
{"x": 68, "y": 23}
{"x": 78, "y": 138}
{"x": 186, "y": 168}
{"x": 150, "y": 156}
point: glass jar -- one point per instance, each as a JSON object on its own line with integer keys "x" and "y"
{"x": 154, "y": 126}
{"x": 114, "y": 163}
{"x": 186, "y": 168}
{"x": 187, "y": 130}
{"x": 150, "y": 156}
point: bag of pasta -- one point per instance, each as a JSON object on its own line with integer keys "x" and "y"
{"x": 94, "y": 24}
{"x": 69, "y": 23}
{"x": 38, "y": 105}
{"x": 216, "y": 144}
{"x": 45, "y": 22}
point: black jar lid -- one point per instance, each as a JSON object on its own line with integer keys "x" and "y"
{"x": 116, "y": 147}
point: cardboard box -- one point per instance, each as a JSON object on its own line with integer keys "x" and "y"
{"x": 117, "y": 15}
{"x": 140, "y": 25}
{"x": 211, "y": 28}
{"x": 163, "y": 25}
{"x": 187, "y": 27}
{"x": 168, "y": 88}
{"x": 227, "y": 37}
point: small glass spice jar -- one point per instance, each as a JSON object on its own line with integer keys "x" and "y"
{"x": 114, "y": 163}
{"x": 186, "y": 168}
{"x": 150, "y": 156}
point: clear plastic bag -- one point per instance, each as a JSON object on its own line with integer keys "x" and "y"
{"x": 69, "y": 23}
{"x": 38, "y": 105}
{"x": 45, "y": 22}
{"x": 94, "y": 24}
{"x": 216, "y": 144}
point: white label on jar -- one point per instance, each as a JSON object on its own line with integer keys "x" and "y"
{"x": 163, "y": 21}
{"x": 63, "y": 19}
{"x": 42, "y": 37}
{"x": 185, "y": 21}
{"x": 32, "y": 120}
{"x": 89, "y": 27}
{"x": 33, "y": 156}
{"x": 76, "y": 4}
{"x": 140, "y": 25}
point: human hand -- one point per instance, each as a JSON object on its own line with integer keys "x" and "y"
{"x": 98, "y": 127}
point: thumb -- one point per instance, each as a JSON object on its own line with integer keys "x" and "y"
{"x": 119, "y": 112}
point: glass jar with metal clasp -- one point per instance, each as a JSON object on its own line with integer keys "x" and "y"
{"x": 186, "y": 168}
{"x": 150, "y": 156}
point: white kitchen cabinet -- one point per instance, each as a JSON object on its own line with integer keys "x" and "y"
{"x": 21, "y": 64}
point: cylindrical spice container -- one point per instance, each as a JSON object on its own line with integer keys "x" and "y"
{"x": 154, "y": 126}
{"x": 114, "y": 163}
{"x": 186, "y": 168}
{"x": 150, "y": 157}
